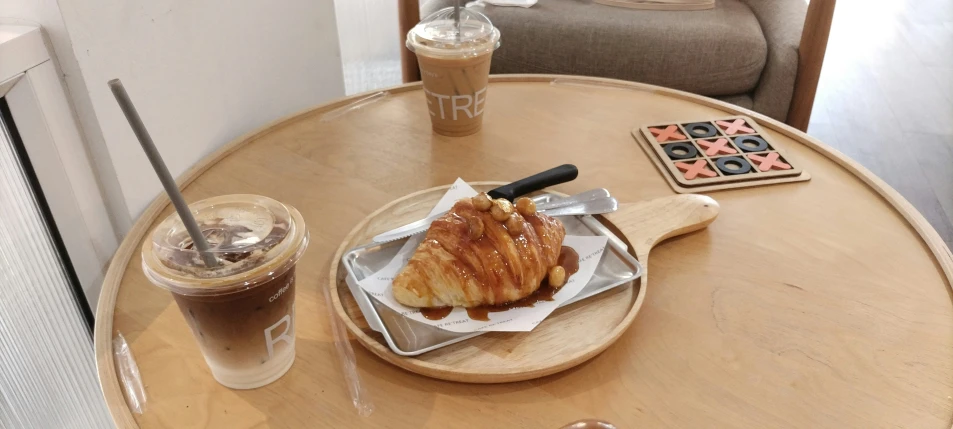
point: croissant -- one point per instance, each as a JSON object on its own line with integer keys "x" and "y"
{"x": 470, "y": 258}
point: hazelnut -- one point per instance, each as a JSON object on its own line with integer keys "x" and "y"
{"x": 514, "y": 225}
{"x": 501, "y": 210}
{"x": 526, "y": 206}
{"x": 481, "y": 202}
{"x": 557, "y": 276}
{"x": 476, "y": 228}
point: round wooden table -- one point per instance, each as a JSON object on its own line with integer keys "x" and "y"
{"x": 815, "y": 304}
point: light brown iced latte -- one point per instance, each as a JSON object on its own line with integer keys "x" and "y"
{"x": 454, "y": 67}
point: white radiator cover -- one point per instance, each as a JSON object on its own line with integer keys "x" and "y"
{"x": 47, "y": 367}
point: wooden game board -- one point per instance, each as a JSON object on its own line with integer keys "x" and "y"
{"x": 726, "y": 153}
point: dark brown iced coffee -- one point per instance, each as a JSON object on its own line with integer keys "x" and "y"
{"x": 242, "y": 311}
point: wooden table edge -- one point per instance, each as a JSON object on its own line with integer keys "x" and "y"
{"x": 103, "y": 333}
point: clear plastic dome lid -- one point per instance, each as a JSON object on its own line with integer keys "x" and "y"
{"x": 439, "y": 35}
{"x": 248, "y": 235}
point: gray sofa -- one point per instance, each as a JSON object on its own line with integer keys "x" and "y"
{"x": 743, "y": 51}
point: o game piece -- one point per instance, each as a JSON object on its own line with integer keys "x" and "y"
{"x": 731, "y": 165}
{"x": 701, "y": 129}
{"x": 770, "y": 161}
{"x": 680, "y": 151}
{"x": 716, "y": 147}
{"x": 738, "y": 126}
{"x": 695, "y": 169}
{"x": 751, "y": 144}
{"x": 669, "y": 133}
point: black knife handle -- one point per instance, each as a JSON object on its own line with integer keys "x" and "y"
{"x": 554, "y": 176}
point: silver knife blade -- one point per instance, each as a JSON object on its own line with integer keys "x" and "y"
{"x": 412, "y": 228}
{"x": 581, "y": 197}
{"x": 594, "y": 207}
{"x": 422, "y": 225}
{"x": 586, "y": 206}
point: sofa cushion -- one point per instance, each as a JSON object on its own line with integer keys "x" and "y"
{"x": 740, "y": 100}
{"x": 713, "y": 52}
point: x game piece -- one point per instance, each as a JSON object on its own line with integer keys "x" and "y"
{"x": 770, "y": 161}
{"x": 716, "y": 147}
{"x": 738, "y": 126}
{"x": 669, "y": 133}
{"x": 695, "y": 169}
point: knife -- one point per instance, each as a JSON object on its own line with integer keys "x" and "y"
{"x": 554, "y": 176}
{"x": 588, "y": 207}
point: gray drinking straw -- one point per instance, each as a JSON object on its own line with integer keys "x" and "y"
{"x": 132, "y": 116}
{"x": 456, "y": 17}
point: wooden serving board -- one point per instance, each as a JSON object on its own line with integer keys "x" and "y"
{"x": 568, "y": 337}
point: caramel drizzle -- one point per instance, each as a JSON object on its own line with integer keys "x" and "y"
{"x": 568, "y": 259}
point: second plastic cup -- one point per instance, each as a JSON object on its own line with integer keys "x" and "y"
{"x": 242, "y": 311}
{"x": 454, "y": 67}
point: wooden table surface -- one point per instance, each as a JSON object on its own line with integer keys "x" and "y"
{"x": 816, "y": 304}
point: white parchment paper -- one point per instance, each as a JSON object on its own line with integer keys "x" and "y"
{"x": 590, "y": 249}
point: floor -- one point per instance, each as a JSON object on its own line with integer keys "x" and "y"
{"x": 885, "y": 96}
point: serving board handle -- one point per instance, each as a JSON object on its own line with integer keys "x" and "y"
{"x": 649, "y": 222}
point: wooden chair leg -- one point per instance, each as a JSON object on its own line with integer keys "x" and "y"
{"x": 817, "y": 28}
{"x": 408, "y": 14}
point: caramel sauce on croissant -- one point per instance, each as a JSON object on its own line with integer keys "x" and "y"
{"x": 481, "y": 258}
{"x": 436, "y": 313}
{"x": 568, "y": 259}
{"x": 482, "y": 313}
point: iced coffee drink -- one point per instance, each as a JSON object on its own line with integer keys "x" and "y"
{"x": 454, "y": 64}
{"x": 241, "y": 311}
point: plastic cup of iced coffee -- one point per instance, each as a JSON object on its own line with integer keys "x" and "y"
{"x": 454, "y": 65}
{"x": 241, "y": 311}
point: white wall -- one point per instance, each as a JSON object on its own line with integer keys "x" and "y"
{"x": 46, "y": 13}
{"x": 200, "y": 72}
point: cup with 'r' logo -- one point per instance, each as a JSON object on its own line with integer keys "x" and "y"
{"x": 240, "y": 311}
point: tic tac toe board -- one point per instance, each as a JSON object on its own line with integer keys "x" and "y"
{"x": 711, "y": 155}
